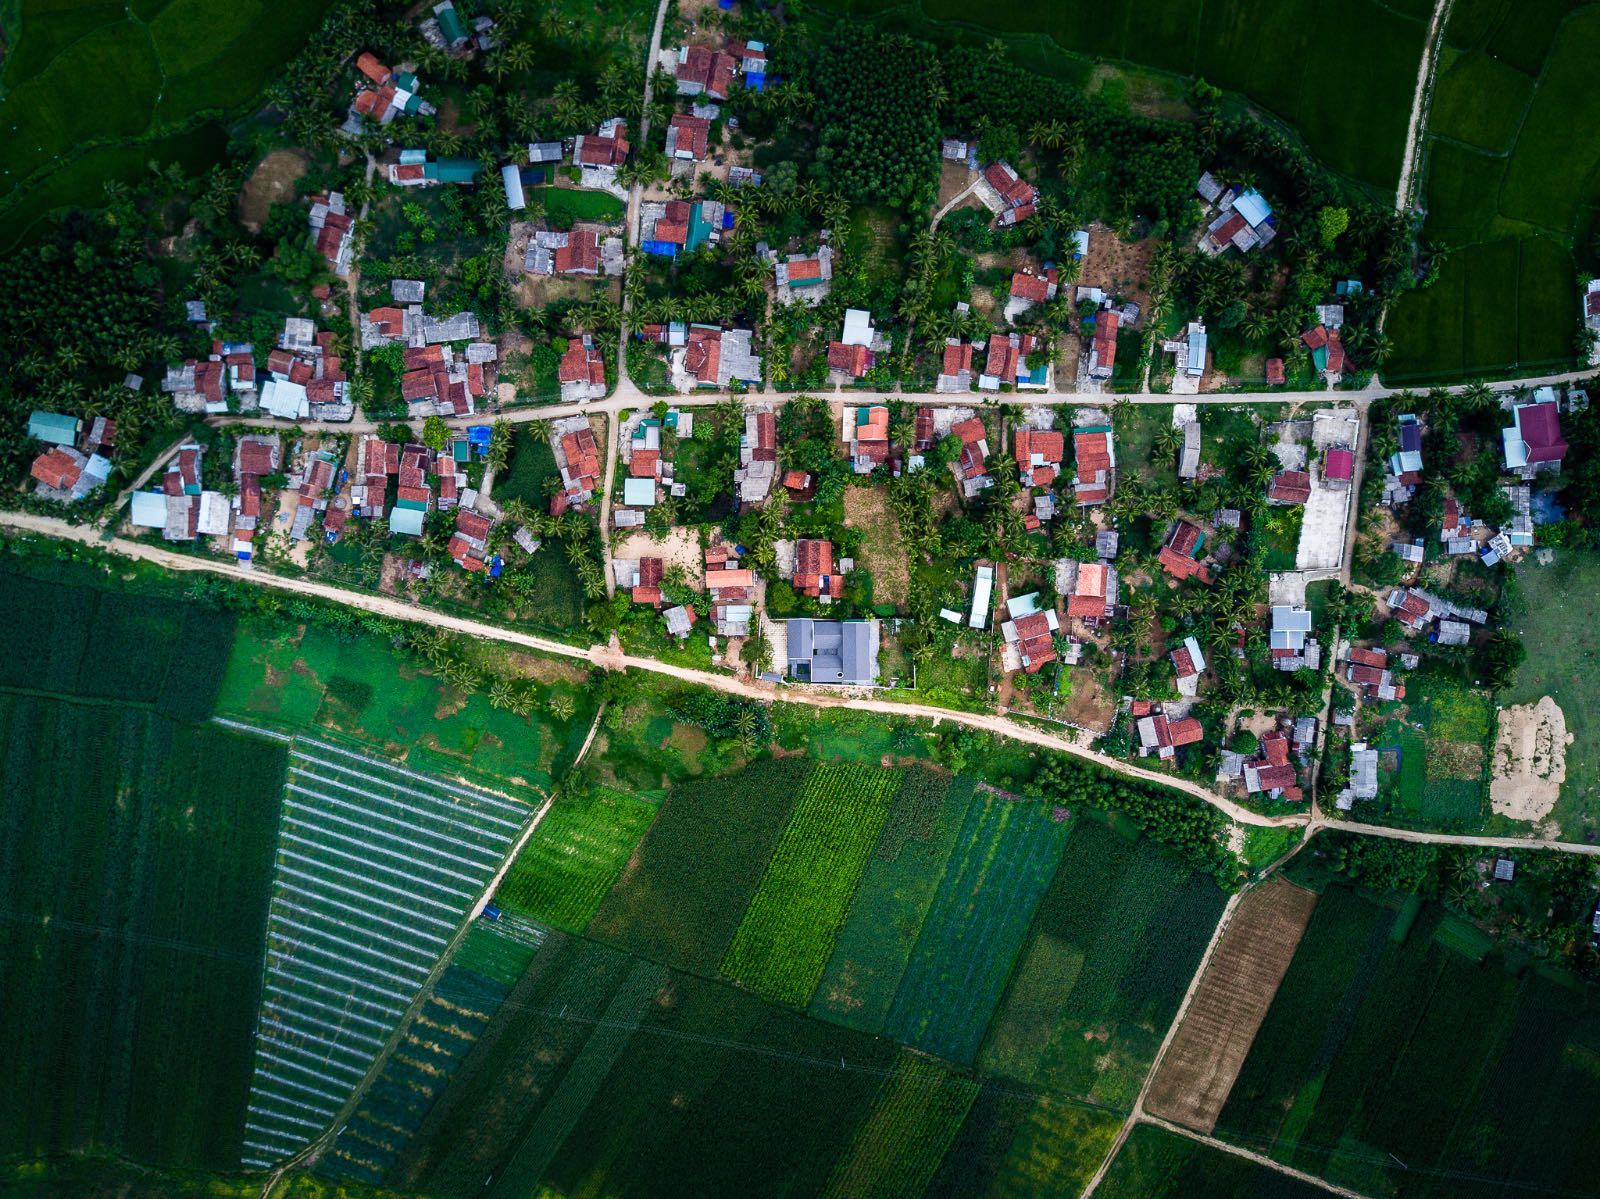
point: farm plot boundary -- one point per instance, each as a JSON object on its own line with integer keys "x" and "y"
{"x": 377, "y": 867}
{"x": 1194, "y": 1077}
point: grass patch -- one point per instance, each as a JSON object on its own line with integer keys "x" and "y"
{"x": 976, "y": 926}
{"x": 1558, "y": 623}
{"x": 579, "y": 205}
{"x": 678, "y": 904}
{"x": 1157, "y": 1164}
{"x": 574, "y": 856}
{"x": 783, "y": 942}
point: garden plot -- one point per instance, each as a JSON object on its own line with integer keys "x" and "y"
{"x": 377, "y": 868}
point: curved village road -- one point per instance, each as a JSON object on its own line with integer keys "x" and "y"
{"x": 612, "y": 658}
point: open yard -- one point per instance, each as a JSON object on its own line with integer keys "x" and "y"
{"x": 1395, "y": 1063}
{"x": 1558, "y": 625}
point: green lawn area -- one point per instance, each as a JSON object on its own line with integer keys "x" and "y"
{"x": 1135, "y": 429}
{"x": 580, "y": 205}
{"x": 532, "y": 463}
{"x": 1558, "y": 624}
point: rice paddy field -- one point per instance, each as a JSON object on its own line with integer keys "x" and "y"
{"x": 135, "y": 863}
{"x": 1289, "y": 58}
{"x": 1398, "y": 1058}
{"x": 172, "y": 60}
{"x": 1156, "y": 1164}
{"x": 1506, "y": 190}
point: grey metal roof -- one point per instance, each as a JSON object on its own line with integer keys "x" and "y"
{"x": 842, "y": 652}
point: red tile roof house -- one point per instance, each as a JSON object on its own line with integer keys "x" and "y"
{"x": 1017, "y": 196}
{"x": 582, "y": 371}
{"x": 956, "y": 371}
{"x": 469, "y": 547}
{"x": 1272, "y": 772}
{"x": 1103, "y": 348}
{"x": 1096, "y": 459}
{"x": 1275, "y": 375}
{"x": 1091, "y": 593}
{"x": 581, "y": 254}
{"x": 1039, "y": 455}
{"x": 971, "y": 466}
{"x": 854, "y": 361}
{"x": 1187, "y": 663}
{"x": 704, "y": 71}
{"x": 648, "y": 588}
{"x": 1289, "y": 487}
{"x": 579, "y": 460}
{"x": 607, "y": 148}
{"x": 687, "y": 137}
{"x": 1178, "y": 557}
{"x": 1034, "y": 635}
{"x": 868, "y": 435}
{"x": 814, "y": 573}
{"x": 1163, "y": 737}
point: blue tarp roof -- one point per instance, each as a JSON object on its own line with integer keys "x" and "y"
{"x": 664, "y": 248}
{"x": 478, "y": 434}
{"x": 756, "y": 81}
{"x": 727, "y": 219}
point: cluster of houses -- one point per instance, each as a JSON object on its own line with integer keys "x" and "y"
{"x": 1418, "y": 611}
{"x": 438, "y": 380}
{"x": 577, "y": 456}
{"x": 1243, "y": 217}
{"x": 304, "y": 378}
{"x": 705, "y": 73}
{"x": 416, "y": 168}
{"x": 856, "y": 351}
{"x": 583, "y": 251}
{"x": 444, "y": 29}
{"x": 1005, "y": 193}
{"x": 668, "y": 226}
{"x": 75, "y": 462}
{"x": 382, "y": 94}
{"x": 183, "y": 509}
{"x": 1029, "y": 634}
{"x": 758, "y": 456}
{"x": 1161, "y": 736}
{"x": 581, "y": 371}
{"x": 701, "y": 355}
{"x": 644, "y": 449}
{"x": 1273, "y": 770}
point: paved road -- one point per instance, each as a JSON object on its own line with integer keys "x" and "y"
{"x": 627, "y": 395}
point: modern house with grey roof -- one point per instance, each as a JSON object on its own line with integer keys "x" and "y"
{"x": 843, "y": 653}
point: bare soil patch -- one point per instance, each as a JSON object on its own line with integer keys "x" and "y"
{"x": 1117, "y": 267}
{"x": 272, "y": 182}
{"x": 954, "y": 178}
{"x": 1199, "y": 1068}
{"x": 867, "y": 509}
{"x": 680, "y": 547}
{"x": 1090, "y": 706}
{"x": 1530, "y": 760}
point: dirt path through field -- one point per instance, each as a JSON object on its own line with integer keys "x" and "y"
{"x": 1530, "y": 760}
{"x": 1426, "y": 70}
{"x": 1195, "y": 1075}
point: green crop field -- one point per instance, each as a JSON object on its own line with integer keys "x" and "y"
{"x": 314, "y": 680}
{"x": 135, "y": 860}
{"x": 1557, "y": 620}
{"x": 900, "y": 1144}
{"x": 574, "y": 856}
{"x": 1402, "y": 1066}
{"x": 682, "y": 896}
{"x": 1003, "y": 861}
{"x": 896, "y": 890}
{"x": 782, "y": 945}
{"x": 169, "y": 63}
{"x": 1507, "y": 191}
{"x": 1157, "y": 1164}
{"x": 457, "y": 1011}
{"x": 1117, "y": 937}
{"x": 1288, "y": 57}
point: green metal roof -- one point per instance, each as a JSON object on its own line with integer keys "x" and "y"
{"x": 54, "y": 427}
{"x": 450, "y": 25}
{"x": 451, "y": 170}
